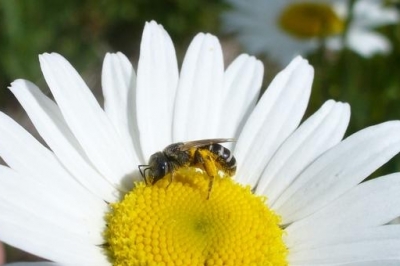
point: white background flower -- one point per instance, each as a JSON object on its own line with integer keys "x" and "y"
{"x": 361, "y": 36}
{"x": 256, "y": 25}
{"x": 52, "y": 201}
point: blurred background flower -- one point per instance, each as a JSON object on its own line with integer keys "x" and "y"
{"x": 363, "y": 17}
{"x": 353, "y": 45}
{"x": 282, "y": 29}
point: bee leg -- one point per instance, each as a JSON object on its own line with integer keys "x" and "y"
{"x": 146, "y": 180}
{"x": 203, "y": 157}
{"x": 171, "y": 178}
{"x": 210, "y": 186}
{"x": 198, "y": 158}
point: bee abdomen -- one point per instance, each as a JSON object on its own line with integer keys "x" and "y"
{"x": 225, "y": 157}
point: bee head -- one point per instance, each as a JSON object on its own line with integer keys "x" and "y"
{"x": 157, "y": 168}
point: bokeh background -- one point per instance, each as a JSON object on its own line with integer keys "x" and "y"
{"x": 83, "y": 31}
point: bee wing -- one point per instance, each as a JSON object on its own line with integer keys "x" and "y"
{"x": 203, "y": 142}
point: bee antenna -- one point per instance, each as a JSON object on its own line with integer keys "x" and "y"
{"x": 146, "y": 176}
{"x": 141, "y": 170}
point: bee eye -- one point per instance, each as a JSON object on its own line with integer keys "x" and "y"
{"x": 158, "y": 167}
{"x": 161, "y": 169}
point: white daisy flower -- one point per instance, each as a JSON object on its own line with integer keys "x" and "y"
{"x": 296, "y": 198}
{"x": 361, "y": 37}
{"x": 282, "y": 29}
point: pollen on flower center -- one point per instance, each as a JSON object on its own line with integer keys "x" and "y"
{"x": 310, "y": 20}
{"x": 173, "y": 223}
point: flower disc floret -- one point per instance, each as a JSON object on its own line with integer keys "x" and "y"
{"x": 175, "y": 223}
{"x": 310, "y": 20}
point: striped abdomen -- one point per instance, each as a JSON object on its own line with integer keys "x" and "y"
{"x": 224, "y": 157}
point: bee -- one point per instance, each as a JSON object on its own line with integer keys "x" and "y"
{"x": 206, "y": 153}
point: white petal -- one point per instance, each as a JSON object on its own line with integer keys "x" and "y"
{"x": 28, "y": 157}
{"x": 371, "y": 13}
{"x": 50, "y": 124}
{"x": 349, "y": 235}
{"x": 199, "y": 96}
{"x": 87, "y": 120}
{"x": 242, "y": 84}
{"x": 367, "y": 43}
{"x": 46, "y": 240}
{"x": 317, "y": 134}
{"x": 369, "y": 204}
{"x": 34, "y": 211}
{"x": 275, "y": 117}
{"x": 21, "y": 194}
{"x": 256, "y": 27}
{"x": 118, "y": 80}
{"x": 395, "y": 221}
{"x": 364, "y": 253}
{"x": 41, "y": 263}
{"x": 338, "y": 170}
{"x": 156, "y": 86}
{"x": 335, "y": 43}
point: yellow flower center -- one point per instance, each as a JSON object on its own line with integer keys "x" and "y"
{"x": 175, "y": 223}
{"x": 310, "y": 20}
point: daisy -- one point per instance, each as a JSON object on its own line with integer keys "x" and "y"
{"x": 296, "y": 198}
{"x": 282, "y": 29}
{"x": 367, "y": 16}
